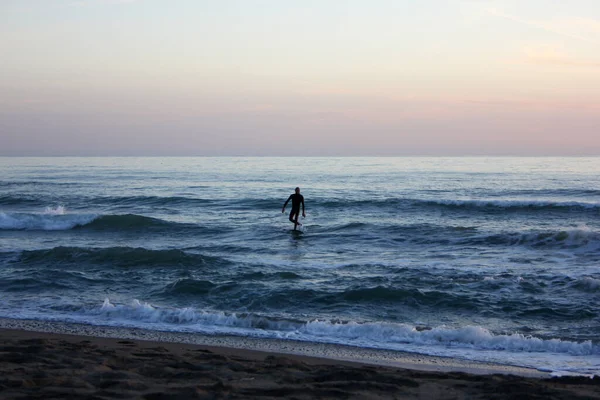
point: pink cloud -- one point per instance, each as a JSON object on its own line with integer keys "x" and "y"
{"x": 572, "y": 28}
{"x": 551, "y": 56}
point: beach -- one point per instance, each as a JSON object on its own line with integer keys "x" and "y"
{"x": 57, "y": 365}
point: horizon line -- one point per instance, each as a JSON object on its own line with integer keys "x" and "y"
{"x": 313, "y": 156}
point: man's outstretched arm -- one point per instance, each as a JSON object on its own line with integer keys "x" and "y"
{"x": 285, "y": 204}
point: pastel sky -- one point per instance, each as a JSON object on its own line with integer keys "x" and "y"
{"x": 309, "y": 77}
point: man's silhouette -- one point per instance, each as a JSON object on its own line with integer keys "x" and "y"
{"x": 296, "y": 199}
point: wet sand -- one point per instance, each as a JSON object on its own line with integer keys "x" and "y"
{"x": 57, "y": 365}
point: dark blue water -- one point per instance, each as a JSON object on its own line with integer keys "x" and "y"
{"x": 493, "y": 259}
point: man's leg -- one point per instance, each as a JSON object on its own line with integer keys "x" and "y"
{"x": 294, "y": 214}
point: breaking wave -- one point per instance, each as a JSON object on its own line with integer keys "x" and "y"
{"x": 377, "y": 334}
{"x": 57, "y": 219}
{"x": 51, "y": 220}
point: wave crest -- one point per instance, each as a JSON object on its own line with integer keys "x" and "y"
{"x": 57, "y": 219}
{"x": 513, "y": 204}
{"x": 51, "y": 220}
{"x": 376, "y": 334}
{"x": 588, "y": 284}
{"x": 564, "y": 239}
{"x": 120, "y": 256}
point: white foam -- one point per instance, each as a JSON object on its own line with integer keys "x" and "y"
{"x": 378, "y": 334}
{"x": 52, "y": 219}
{"x": 467, "y": 343}
{"x": 469, "y": 337}
{"x": 58, "y": 210}
{"x": 141, "y": 311}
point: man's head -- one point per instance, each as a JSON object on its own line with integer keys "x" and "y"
{"x": 297, "y": 190}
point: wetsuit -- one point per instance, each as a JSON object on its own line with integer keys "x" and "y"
{"x": 297, "y": 200}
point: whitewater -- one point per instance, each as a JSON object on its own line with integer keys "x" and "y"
{"x": 485, "y": 259}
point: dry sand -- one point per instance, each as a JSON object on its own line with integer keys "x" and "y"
{"x": 50, "y": 365}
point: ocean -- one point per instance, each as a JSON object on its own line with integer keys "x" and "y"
{"x": 490, "y": 259}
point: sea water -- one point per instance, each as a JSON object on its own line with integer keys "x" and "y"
{"x": 490, "y": 259}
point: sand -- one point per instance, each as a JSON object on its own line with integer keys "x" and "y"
{"x": 49, "y": 365}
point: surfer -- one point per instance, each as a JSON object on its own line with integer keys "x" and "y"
{"x": 296, "y": 199}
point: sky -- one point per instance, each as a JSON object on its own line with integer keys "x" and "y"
{"x": 299, "y": 78}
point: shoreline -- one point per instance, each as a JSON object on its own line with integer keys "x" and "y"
{"x": 35, "y": 364}
{"x": 324, "y": 352}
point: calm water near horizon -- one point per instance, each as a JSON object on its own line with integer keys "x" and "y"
{"x": 494, "y": 259}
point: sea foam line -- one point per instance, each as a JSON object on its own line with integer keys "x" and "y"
{"x": 377, "y": 334}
